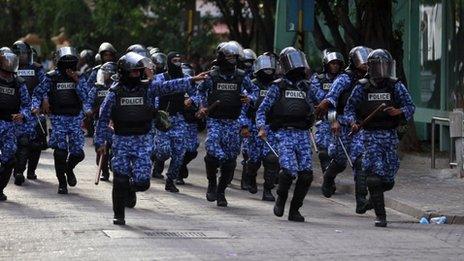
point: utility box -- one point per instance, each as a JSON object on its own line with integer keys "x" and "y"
{"x": 456, "y": 135}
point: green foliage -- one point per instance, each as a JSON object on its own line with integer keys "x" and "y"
{"x": 87, "y": 23}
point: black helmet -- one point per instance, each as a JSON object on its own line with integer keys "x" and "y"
{"x": 331, "y": 57}
{"x": 138, "y": 48}
{"x": 87, "y": 56}
{"x": 9, "y": 62}
{"x": 159, "y": 60}
{"x": 265, "y": 61}
{"x": 106, "y": 47}
{"x": 5, "y": 50}
{"x": 23, "y": 51}
{"x": 230, "y": 52}
{"x": 381, "y": 65}
{"x": 291, "y": 58}
{"x": 188, "y": 70}
{"x": 106, "y": 71}
{"x": 358, "y": 56}
{"x": 66, "y": 58}
{"x": 132, "y": 61}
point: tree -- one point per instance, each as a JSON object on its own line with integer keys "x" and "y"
{"x": 363, "y": 22}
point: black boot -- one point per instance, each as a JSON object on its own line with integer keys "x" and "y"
{"x": 301, "y": 189}
{"x": 120, "y": 195}
{"x": 33, "y": 161}
{"x": 131, "y": 200}
{"x": 189, "y": 156}
{"x": 285, "y": 181}
{"x": 328, "y": 185}
{"x": 212, "y": 164}
{"x": 271, "y": 171}
{"x": 158, "y": 167}
{"x": 252, "y": 172}
{"x": 70, "y": 165}
{"x": 227, "y": 174}
{"x": 170, "y": 186}
{"x": 324, "y": 158}
{"x": 105, "y": 169}
{"x": 60, "y": 169}
{"x": 5, "y": 174}
{"x": 376, "y": 190}
{"x": 360, "y": 184}
{"x": 21, "y": 160}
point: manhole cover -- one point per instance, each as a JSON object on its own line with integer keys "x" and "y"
{"x": 165, "y": 234}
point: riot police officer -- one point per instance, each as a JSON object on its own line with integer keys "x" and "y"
{"x": 337, "y": 98}
{"x": 130, "y": 106}
{"x": 289, "y": 102}
{"x": 86, "y": 62}
{"x": 333, "y": 63}
{"x": 66, "y": 92}
{"x": 380, "y": 89}
{"x": 160, "y": 60}
{"x": 225, "y": 92}
{"x": 96, "y": 95}
{"x": 264, "y": 68}
{"x": 14, "y": 110}
{"x": 32, "y": 136}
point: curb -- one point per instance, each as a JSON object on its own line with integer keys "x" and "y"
{"x": 395, "y": 204}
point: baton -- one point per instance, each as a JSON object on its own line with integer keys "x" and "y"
{"x": 313, "y": 141}
{"x": 270, "y": 147}
{"x": 99, "y": 169}
{"x": 211, "y": 107}
{"x": 369, "y": 117}
{"x": 345, "y": 151}
{"x": 40, "y": 124}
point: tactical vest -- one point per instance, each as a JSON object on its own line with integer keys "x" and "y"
{"x": 373, "y": 98}
{"x": 326, "y": 83}
{"x": 100, "y": 95}
{"x": 10, "y": 99}
{"x": 228, "y": 93}
{"x": 64, "y": 99}
{"x": 30, "y": 75}
{"x": 132, "y": 113}
{"x": 345, "y": 94}
{"x": 172, "y": 103}
{"x": 292, "y": 110}
{"x": 251, "y": 112}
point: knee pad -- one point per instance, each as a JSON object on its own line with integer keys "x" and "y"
{"x": 388, "y": 185}
{"x": 60, "y": 155}
{"x": 306, "y": 177}
{"x": 271, "y": 162}
{"x": 23, "y": 141}
{"x": 286, "y": 174}
{"x": 357, "y": 164}
{"x": 229, "y": 165}
{"x": 211, "y": 160}
{"x": 139, "y": 185}
{"x": 324, "y": 155}
{"x": 79, "y": 156}
{"x": 374, "y": 181}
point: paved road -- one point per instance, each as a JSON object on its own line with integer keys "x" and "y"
{"x": 36, "y": 223}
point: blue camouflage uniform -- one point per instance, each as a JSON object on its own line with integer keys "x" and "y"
{"x": 66, "y": 131}
{"x": 131, "y": 154}
{"x": 172, "y": 143}
{"x": 294, "y": 145}
{"x": 380, "y": 152}
{"x": 8, "y": 127}
{"x": 223, "y": 139}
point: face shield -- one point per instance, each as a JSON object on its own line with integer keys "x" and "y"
{"x": 359, "y": 56}
{"x": 265, "y": 63}
{"x": 382, "y": 69}
{"x": 9, "y": 62}
{"x": 293, "y": 60}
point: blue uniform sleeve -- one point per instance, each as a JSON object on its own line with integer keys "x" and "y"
{"x": 91, "y": 96}
{"x": 252, "y": 91}
{"x": 202, "y": 92}
{"x": 101, "y": 130}
{"x": 25, "y": 108}
{"x": 40, "y": 92}
{"x": 81, "y": 89}
{"x": 404, "y": 99}
{"x": 341, "y": 83}
{"x": 316, "y": 86}
{"x": 351, "y": 105}
{"x": 272, "y": 96}
{"x": 91, "y": 79}
{"x": 157, "y": 88}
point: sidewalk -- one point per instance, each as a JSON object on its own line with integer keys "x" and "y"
{"x": 419, "y": 190}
